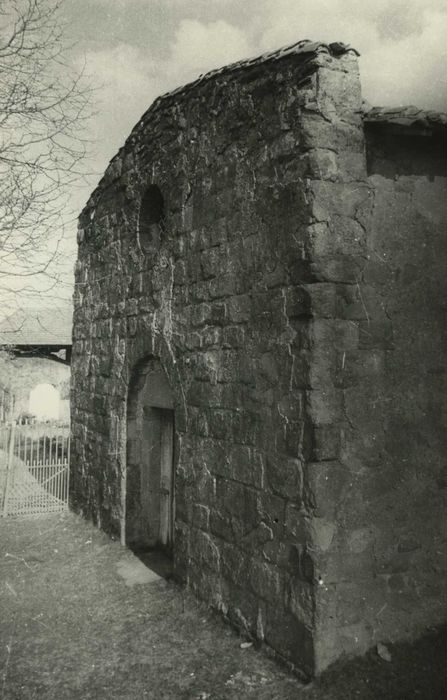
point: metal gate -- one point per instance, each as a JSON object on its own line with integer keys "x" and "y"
{"x": 34, "y": 468}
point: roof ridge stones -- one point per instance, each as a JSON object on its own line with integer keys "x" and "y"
{"x": 304, "y": 48}
{"x": 46, "y": 325}
{"x": 408, "y": 115}
{"x": 399, "y": 116}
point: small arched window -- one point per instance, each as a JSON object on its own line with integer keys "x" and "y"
{"x": 150, "y": 220}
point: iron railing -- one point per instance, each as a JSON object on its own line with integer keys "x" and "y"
{"x": 34, "y": 468}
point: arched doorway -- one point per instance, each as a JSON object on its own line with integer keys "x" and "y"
{"x": 150, "y": 459}
{"x": 44, "y": 402}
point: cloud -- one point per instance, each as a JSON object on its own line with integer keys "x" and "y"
{"x": 412, "y": 70}
{"x": 200, "y": 47}
{"x": 139, "y": 49}
{"x": 130, "y": 78}
{"x": 403, "y": 57}
{"x": 124, "y": 73}
{"x": 402, "y": 43}
{"x": 127, "y": 82}
{"x": 321, "y": 20}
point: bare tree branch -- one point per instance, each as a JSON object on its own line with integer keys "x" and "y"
{"x": 44, "y": 108}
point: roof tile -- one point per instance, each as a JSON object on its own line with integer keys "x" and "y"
{"x": 43, "y": 326}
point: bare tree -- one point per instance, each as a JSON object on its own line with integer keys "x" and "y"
{"x": 44, "y": 104}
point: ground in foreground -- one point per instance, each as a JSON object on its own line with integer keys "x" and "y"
{"x": 81, "y": 617}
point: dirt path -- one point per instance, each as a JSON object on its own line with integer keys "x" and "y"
{"x": 81, "y": 617}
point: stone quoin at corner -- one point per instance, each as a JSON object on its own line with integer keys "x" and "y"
{"x": 259, "y": 377}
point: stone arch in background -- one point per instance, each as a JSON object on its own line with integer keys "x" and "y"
{"x": 150, "y": 458}
{"x": 44, "y": 402}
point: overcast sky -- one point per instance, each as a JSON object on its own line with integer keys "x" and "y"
{"x": 136, "y": 50}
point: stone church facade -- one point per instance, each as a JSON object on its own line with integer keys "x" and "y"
{"x": 259, "y": 372}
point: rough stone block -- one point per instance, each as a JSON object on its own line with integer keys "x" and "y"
{"x": 265, "y": 581}
{"x": 300, "y": 601}
{"x": 324, "y": 484}
{"x": 295, "y": 524}
{"x": 285, "y": 476}
{"x": 235, "y": 565}
{"x": 238, "y": 309}
{"x": 246, "y": 465}
{"x": 238, "y": 500}
{"x": 325, "y": 405}
{"x": 290, "y": 637}
{"x": 204, "y": 550}
{"x": 321, "y": 533}
{"x": 233, "y": 337}
{"x": 201, "y": 516}
{"x": 326, "y": 443}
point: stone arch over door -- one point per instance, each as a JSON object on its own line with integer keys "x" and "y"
{"x": 150, "y": 458}
{"x": 44, "y": 401}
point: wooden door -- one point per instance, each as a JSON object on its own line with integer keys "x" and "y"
{"x": 166, "y": 477}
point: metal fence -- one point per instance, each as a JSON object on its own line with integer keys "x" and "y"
{"x": 34, "y": 468}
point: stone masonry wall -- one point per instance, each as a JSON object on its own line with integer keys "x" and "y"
{"x": 386, "y": 568}
{"x": 225, "y": 302}
{"x": 286, "y": 297}
{"x": 377, "y": 398}
{"x": 339, "y": 197}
